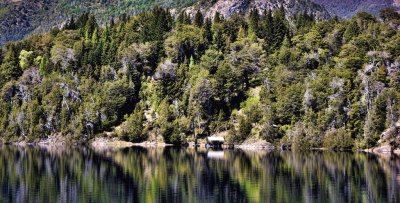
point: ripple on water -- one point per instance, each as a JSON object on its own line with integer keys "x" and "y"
{"x": 185, "y": 175}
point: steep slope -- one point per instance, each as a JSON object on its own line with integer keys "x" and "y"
{"x": 292, "y": 7}
{"x": 19, "y": 18}
{"x": 347, "y": 9}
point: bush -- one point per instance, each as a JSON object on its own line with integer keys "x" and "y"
{"x": 244, "y": 129}
{"x": 132, "y": 129}
{"x": 270, "y": 133}
{"x": 337, "y": 139}
{"x": 298, "y": 138}
{"x": 172, "y": 134}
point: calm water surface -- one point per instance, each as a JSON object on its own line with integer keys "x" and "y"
{"x": 186, "y": 175}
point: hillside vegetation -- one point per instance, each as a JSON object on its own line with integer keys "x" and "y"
{"x": 21, "y": 18}
{"x": 347, "y": 9}
{"x": 303, "y": 83}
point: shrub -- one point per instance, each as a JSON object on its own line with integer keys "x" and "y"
{"x": 337, "y": 139}
{"x": 132, "y": 129}
{"x": 298, "y": 138}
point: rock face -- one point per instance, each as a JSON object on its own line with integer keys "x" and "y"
{"x": 396, "y": 3}
{"x": 347, "y": 9}
{"x": 19, "y": 17}
{"x": 292, "y": 7}
{"x": 391, "y": 135}
{"x": 389, "y": 141}
{"x": 255, "y": 144}
{"x": 382, "y": 150}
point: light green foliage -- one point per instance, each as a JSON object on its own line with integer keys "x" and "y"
{"x": 25, "y": 59}
{"x": 244, "y": 129}
{"x": 352, "y": 30}
{"x": 337, "y": 139}
{"x": 186, "y": 42}
{"x": 302, "y": 83}
{"x": 132, "y": 128}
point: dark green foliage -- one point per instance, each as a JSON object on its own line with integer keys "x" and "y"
{"x": 132, "y": 129}
{"x": 208, "y": 35}
{"x": 244, "y": 129}
{"x": 301, "y": 83}
{"x": 304, "y": 22}
{"x": 10, "y": 68}
{"x": 280, "y": 27}
{"x": 254, "y": 21}
{"x": 183, "y": 19}
{"x": 154, "y": 24}
{"x": 352, "y": 30}
{"x": 389, "y": 14}
{"x": 198, "y": 19}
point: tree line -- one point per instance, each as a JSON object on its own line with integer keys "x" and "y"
{"x": 265, "y": 75}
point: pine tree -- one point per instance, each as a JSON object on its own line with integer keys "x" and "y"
{"x": 217, "y": 18}
{"x": 254, "y": 19}
{"x": 208, "y": 35}
{"x": 71, "y": 24}
{"x": 198, "y": 19}
{"x": 280, "y": 28}
{"x": 267, "y": 29}
{"x": 90, "y": 27}
{"x": 81, "y": 22}
{"x": 352, "y": 30}
{"x": 183, "y": 19}
{"x": 10, "y": 68}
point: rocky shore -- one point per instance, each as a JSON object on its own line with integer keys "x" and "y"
{"x": 112, "y": 144}
{"x": 256, "y": 145}
{"x": 383, "y": 150}
{"x": 102, "y": 143}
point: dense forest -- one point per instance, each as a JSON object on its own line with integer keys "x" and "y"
{"x": 289, "y": 80}
{"x": 21, "y": 18}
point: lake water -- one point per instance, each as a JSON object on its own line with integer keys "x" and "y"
{"x": 185, "y": 175}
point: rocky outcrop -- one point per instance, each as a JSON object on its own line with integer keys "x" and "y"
{"x": 396, "y": 3}
{"x": 389, "y": 141}
{"x": 347, "y": 9}
{"x": 385, "y": 150}
{"x": 228, "y": 8}
{"x": 391, "y": 136}
{"x": 255, "y": 144}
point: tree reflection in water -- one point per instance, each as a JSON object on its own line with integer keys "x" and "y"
{"x": 186, "y": 175}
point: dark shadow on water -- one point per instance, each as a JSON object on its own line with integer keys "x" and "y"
{"x": 171, "y": 174}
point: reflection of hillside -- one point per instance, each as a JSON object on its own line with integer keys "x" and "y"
{"x": 63, "y": 176}
{"x": 186, "y": 175}
{"x": 342, "y": 177}
{"x": 162, "y": 173}
{"x": 275, "y": 176}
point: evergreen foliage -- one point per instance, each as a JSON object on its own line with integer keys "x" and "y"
{"x": 295, "y": 81}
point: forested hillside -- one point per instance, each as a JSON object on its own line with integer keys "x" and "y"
{"x": 309, "y": 84}
{"x": 347, "y": 9}
{"x": 20, "y": 18}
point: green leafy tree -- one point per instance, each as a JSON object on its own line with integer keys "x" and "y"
{"x": 25, "y": 59}
{"x": 352, "y": 30}
{"x": 187, "y": 42}
{"x": 132, "y": 128}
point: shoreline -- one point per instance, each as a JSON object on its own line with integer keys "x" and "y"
{"x": 384, "y": 150}
{"x": 105, "y": 144}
